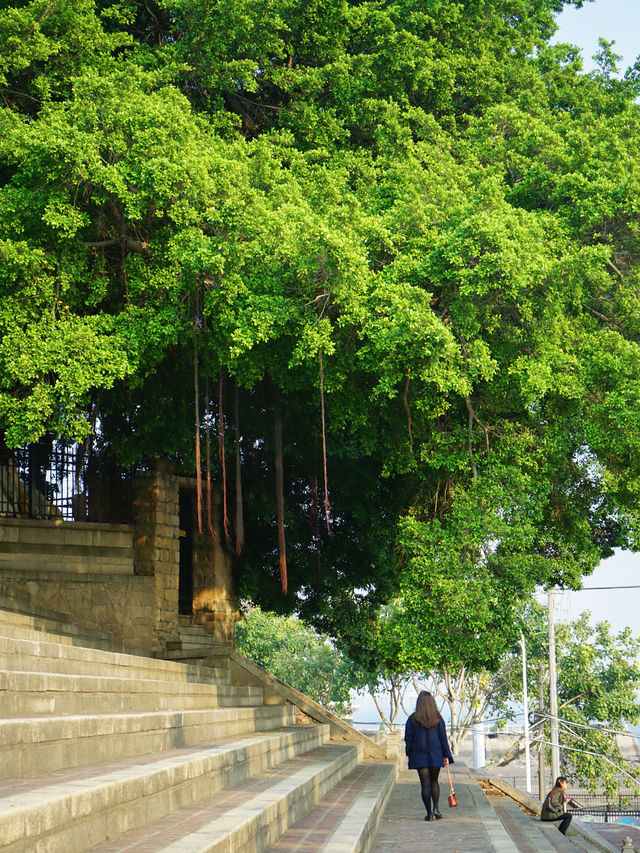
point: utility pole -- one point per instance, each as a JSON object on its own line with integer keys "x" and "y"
{"x": 525, "y": 703}
{"x": 541, "y": 785}
{"x": 553, "y": 694}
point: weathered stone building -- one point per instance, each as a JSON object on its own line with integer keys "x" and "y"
{"x": 140, "y": 581}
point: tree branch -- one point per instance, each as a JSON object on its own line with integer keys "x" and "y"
{"x": 129, "y": 242}
{"x": 615, "y": 268}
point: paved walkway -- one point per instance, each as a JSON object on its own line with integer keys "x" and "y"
{"x": 469, "y": 828}
{"x": 479, "y": 824}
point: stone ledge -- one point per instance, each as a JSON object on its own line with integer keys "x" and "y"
{"x": 60, "y": 524}
{"x": 529, "y": 802}
{"x": 66, "y": 549}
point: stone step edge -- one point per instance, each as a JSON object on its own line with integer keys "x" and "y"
{"x": 65, "y": 665}
{"x": 532, "y": 829}
{"x": 356, "y": 831}
{"x": 79, "y": 814}
{"x": 14, "y": 660}
{"x": 579, "y": 827}
{"x": 202, "y": 653}
{"x": 27, "y": 732}
{"x": 182, "y": 668}
{"x": 499, "y": 838}
{"x": 32, "y": 681}
{"x": 66, "y": 643}
{"x": 269, "y": 814}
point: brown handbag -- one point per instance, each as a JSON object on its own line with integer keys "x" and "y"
{"x": 453, "y": 800}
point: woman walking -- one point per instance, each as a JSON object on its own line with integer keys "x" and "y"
{"x": 426, "y": 745}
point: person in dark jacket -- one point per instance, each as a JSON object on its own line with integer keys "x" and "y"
{"x": 554, "y": 806}
{"x": 426, "y": 745}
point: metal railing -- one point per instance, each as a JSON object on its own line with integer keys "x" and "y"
{"x": 62, "y": 481}
{"x": 606, "y": 809}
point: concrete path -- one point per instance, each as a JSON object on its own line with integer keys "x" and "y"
{"x": 479, "y": 824}
{"x": 469, "y": 828}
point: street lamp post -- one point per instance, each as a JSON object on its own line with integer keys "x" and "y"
{"x": 525, "y": 702}
{"x": 553, "y": 694}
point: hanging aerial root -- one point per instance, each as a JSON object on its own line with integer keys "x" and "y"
{"x": 324, "y": 447}
{"x": 196, "y": 389}
{"x": 277, "y": 431}
{"x": 223, "y": 464}
{"x": 239, "y": 509}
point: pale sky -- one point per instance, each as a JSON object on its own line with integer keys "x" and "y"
{"x": 619, "y": 21}
{"x": 614, "y": 20}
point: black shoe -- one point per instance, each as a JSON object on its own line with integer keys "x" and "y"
{"x": 437, "y": 815}
{"x": 429, "y": 817}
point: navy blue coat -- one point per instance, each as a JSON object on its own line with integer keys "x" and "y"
{"x": 426, "y": 747}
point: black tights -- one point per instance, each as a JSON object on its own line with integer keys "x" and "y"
{"x": 564, "y": 819}
{"x": 429, "y": 786}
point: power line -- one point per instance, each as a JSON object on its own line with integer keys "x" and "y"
{"x": 588, "y": 588}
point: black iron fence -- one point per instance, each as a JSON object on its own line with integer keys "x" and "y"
{"x": 607, "y": 809}
{"x": 58, "y": 480}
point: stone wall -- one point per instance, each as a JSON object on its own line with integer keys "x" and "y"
{"x": 81, "y": 569}
{"x": 156, "y": 545}
{"x": 121, "y": 606}
{"x": 123, "y": 579}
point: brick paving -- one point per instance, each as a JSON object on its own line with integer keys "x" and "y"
{"x": 173, "y": 827}
{"x": 310, "y": 834}
{"x": 615, "y": 833}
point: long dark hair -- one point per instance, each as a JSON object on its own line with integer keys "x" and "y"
{"x": 426, "y": 713}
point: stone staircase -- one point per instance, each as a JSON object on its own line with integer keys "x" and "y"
{"x": 105, "y": 751}
{"x": 194, "y": 643}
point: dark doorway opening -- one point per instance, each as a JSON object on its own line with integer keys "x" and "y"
{"x": 185, "y": 581}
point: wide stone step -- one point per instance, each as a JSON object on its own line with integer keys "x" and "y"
{"x": 29, "y": 694}
{"x": 180, "y": 653}
{"x": 29, "y": 745}
{"x": 17, "y": 653}
{"x": 346, "y": 819}
{"x": 529, "y": 833}
{"x": 78, "y": 811}
{"x": 250, "y": 817}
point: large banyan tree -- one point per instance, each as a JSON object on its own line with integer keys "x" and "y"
{"x": 370, "y": 267}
